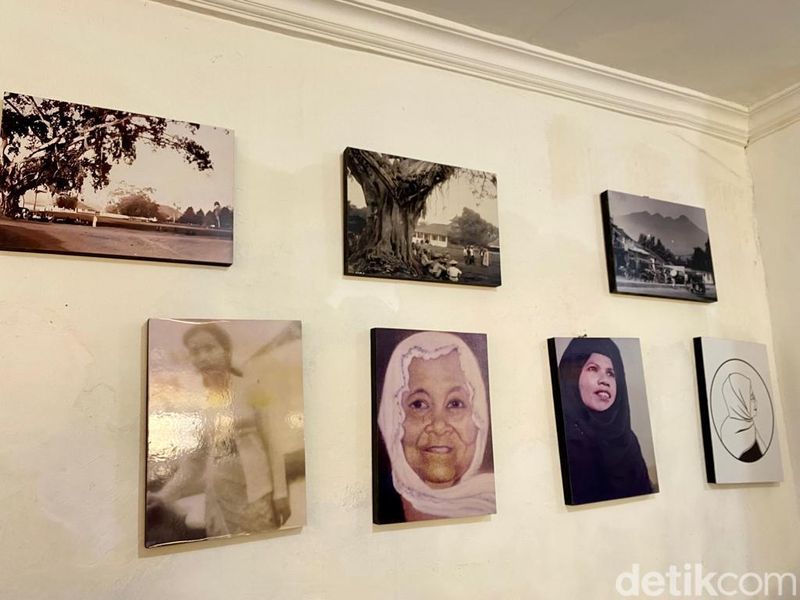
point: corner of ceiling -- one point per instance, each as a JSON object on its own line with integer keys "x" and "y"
{"x": 774, "y": 113}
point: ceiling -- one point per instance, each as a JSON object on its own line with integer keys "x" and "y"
{"x": 739, "y": 50}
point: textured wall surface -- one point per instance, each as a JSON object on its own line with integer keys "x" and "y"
{"x": 776, "y": 182}
{"x": 72, "y": 342}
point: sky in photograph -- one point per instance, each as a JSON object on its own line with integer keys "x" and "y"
{"x": 175, "y": 182}
{"x": 625, "y": 204}
{"x": 447, "y": 201}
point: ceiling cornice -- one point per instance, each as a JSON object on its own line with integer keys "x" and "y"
{"x": 774, "y": 113}
{"x": 388, "y": 30}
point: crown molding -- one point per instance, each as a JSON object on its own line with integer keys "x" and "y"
{"x": 774, "y": 113}
{"x": 387, "y": 30}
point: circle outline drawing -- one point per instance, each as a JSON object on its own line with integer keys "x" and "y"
{"x": 714, "y": 420}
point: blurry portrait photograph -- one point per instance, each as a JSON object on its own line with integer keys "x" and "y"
{"x": 432, "y": 439}
{"x": 225, "y": 448}
{"x": 737, "y": 412}
{"x": 78, "y": 179}
{"x": 657, "y": 248}
{"x": 419, "y": 220}
{"x": 602, "y": 419}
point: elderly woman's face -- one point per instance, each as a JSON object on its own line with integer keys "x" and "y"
{"x": 439, "y": 432}
{"x": 598, "y": 383}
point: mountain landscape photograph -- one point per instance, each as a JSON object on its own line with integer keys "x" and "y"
{"x": 657, "y": 248}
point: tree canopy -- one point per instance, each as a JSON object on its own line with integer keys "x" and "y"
{"x": 136, "y": 204}
{"x": 471, "y": 228}
{"x": 68, "y": 201}
{"x": 188, "y": 217}
{"x": 60, "y": 145}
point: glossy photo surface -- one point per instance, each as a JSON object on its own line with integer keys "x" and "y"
{"x": 225, "y": 447}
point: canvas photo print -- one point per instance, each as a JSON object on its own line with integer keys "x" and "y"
{"x": 737, "y": 412}
{"x": 225, "y": 450}
{"x": 657, "y": 248}
{"x": 77, "y": 179}
{"x": 432, "y": 435}
{"x": 419, "y": 220}
{"x": 602, "y": 420}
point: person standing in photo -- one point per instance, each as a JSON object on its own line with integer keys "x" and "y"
{"x": 239, "y": 464}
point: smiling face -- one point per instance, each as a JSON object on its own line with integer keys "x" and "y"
{"x": 439, "y": 433}
{"x": 598, "y": 383}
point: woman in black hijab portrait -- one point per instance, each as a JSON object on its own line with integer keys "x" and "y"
{"x": 600, "y": 453}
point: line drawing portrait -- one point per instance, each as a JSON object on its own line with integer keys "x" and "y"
{"x": 737, "y": 412}
{"x": 602, "y": 457}
{"x": 434, "y": 428}
{"x": 225, "y": 429}
{"x": 742, "y": 411}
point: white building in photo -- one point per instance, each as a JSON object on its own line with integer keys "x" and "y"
{"x": 434, "y": 234}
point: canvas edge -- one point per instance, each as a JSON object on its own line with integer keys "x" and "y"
{"x": 559, "y": 416}
{"x": 146, "y": 449}
{"x": 608, "y": 241}
{"x": 705, "y": 417}
{"x": 373, "y": 333}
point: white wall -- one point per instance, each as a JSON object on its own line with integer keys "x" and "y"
{"x": 71, "y": 352}
{"x": 776, "y": 184}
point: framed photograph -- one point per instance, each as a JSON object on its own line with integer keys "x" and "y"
{"x": 77, "y": 179}
{"x": 604, "y": 438}
{"x": 657, "y": 248}
{"x": 225, "y": 449}
{"x": 419, "y": 220}
{"x": 431, "y": 426}
{"x": 737, "y": 412}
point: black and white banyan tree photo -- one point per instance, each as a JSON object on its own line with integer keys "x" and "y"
{"x": 419, "y": 220}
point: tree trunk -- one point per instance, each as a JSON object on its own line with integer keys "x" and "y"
{"x": 9, "y": 202}
{"x": 385, "y": 244}
{"x": 395, "y": 190}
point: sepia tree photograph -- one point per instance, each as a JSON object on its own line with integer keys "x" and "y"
{"x": 77, "y": 179}
{"x": 418, "y": 220}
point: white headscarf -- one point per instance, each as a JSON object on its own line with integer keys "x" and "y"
{"x": 739, "y": 430}
{"x": 474, "y": 493}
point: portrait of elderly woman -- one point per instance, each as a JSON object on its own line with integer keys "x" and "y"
{"x": 603, "y": 425}
{"x": 225, "y": 451}
{"x": 432, "y": 449}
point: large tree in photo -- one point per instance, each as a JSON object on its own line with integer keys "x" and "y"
{"x": 59, "y": 145}
{"x": 396, "y": 190}
{"x": 471, "y": 228}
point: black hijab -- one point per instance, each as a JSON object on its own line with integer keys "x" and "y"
{"x": 603, "y": 454}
